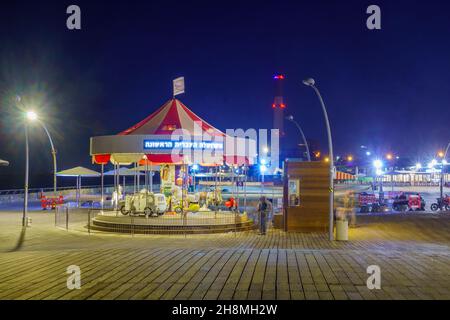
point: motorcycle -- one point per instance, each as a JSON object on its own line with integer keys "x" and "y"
{"x": 442, "y": 204}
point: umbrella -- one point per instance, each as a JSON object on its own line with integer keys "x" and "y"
{"x": 78, "y": 172}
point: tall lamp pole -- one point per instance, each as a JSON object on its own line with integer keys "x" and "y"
{"x": 441, "y": 186}
{"x": 25, "y": 196}
{"x": 32, "y": 116}
{"x": 311, "y": 83}
{"x": 291, "y": 119}
{"x": 53, "y": 155}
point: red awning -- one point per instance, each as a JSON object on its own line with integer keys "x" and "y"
{"x": 101, "y": 158}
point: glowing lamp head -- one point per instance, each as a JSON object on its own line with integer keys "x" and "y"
{"x": 195, "y": 167}
{"x": 418, "y": 165}
{"x": 262, "y": 168}
{"x": 326, "y": 159}
{"x": 379, "y": 172}
{"x": 263, "y": 161}
{"x": 31, "y": 115}
{"x": 349, "y": 158}
{"x": 266, "y": 150}
{"x": 368, "y": 153}
{"x": 389, "y": 156}
{"x": 441, "y": 154}
{"x": 377, "y": 164}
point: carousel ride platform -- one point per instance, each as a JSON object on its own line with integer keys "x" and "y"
{"x": 193, "y": 223}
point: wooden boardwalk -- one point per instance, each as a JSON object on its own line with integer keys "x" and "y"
{"x": 412, "y": 252}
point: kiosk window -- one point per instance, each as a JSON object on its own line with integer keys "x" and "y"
{"x": 294, "y": 192}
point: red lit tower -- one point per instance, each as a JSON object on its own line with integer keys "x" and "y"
{"x": 278, "y": 104}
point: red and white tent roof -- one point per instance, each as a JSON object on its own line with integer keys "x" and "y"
{"x": 171, "y": 116}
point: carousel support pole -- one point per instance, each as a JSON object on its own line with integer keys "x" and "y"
{"x": 102, "y": 182}
{"x": 146, "y": 183}
{"x": 118, "y": 180}
{"x": 138, "y": 173}
{"x": 151, "y": 177}
{"x": 134, "y": 178}
{"x": 116, "y": 191}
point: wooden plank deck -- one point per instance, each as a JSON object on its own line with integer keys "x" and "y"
{"x": 412, "y": 252}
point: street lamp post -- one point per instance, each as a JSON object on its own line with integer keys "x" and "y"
{"x": 32, "y": 116}
{"x": 378, "y": 164}
{"x": 262, "y": 169}
{"x": 53, "y": 155}
{"x": 311, "y": 83}
{"x": 25, "y": 197}
{"x": 291, "y": 118}
{"x": 441, "y": 184}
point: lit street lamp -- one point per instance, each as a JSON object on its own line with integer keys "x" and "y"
{"x": 378, "y": 164}
{"x": 32, "y": 116}
{"x": 291, "y": 119}
{"x": 311, "y": 83}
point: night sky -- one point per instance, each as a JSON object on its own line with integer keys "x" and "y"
{"x": 388, "y": 89}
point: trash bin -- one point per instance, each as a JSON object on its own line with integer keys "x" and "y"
{"x": 342, "y": 230}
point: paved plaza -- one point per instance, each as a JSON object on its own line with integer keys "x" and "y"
{"x": 412, "y": 251}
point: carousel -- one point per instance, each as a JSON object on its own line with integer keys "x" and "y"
{"x": 174, "y": 144}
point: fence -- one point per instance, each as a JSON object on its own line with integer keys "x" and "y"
{"x": 62, "y": 217}
{"x": 181, "y": 223}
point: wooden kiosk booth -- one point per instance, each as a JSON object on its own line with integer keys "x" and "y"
{"x": 305, "y": 196}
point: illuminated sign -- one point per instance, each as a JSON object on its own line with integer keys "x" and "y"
{"x": 168, "y": 144}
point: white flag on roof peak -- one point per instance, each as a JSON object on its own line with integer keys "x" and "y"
{"x": 178, "y": 86}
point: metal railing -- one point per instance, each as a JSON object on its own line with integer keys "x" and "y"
{"x": 62, "y": 217}
{"x": 98, "y": 221}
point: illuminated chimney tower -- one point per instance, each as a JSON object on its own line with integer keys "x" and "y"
{"x": 278, "y": 105}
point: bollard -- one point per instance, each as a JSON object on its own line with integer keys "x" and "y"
{"x": 67, "y": 218}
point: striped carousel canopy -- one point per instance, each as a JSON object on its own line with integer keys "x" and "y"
{"x": 171, "y": 116}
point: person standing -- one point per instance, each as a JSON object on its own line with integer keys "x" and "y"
{"x": 264, "y": 207}
{"x": 349, "y": 208}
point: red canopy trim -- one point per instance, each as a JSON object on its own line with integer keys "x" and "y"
{"x": 101, "y": 158}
